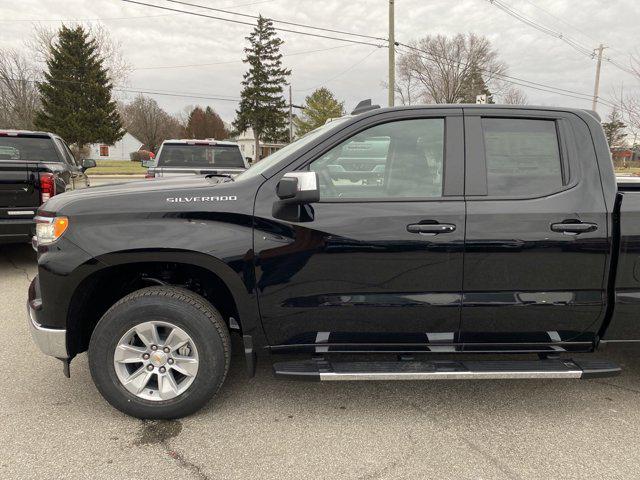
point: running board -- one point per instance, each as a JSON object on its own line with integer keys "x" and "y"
{"x": 445, "y": 370}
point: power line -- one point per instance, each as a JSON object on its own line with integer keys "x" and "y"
{"x": 103, "y": 19}
{"x": 514, "y": 80}
{"x": 342, "y": 32}
{"x": 168, "y": 93}
{"x": 240, "y": 22}
{"x": 239, "y": 61}
{"x": 546, "y": 30}
{"x": 583, "y": 49}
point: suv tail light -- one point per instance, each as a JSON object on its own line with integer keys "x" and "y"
{"x": 47, "y": 186}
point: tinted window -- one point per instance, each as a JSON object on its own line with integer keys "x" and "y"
{"x": 184, "y": 155}
{"x": 68, "y": 156}
{"x": 397, "y": 159}
{"x": 37, "y": 149}
{"x": 523, "y": 157}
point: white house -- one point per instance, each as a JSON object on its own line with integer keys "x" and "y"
{"x": 246, "y": 142}
{"x": 118, "y": 151}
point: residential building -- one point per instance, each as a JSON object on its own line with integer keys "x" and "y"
{"x": 118, "y": 151}
{"x": 246, "y": 141}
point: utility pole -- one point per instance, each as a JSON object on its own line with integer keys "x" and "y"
{"x": 596, "y": 87}
{"x": 290, "y": 116}
{"x": 392, "y": 55}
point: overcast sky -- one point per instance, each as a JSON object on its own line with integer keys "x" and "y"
{"x": 154, "y": 38}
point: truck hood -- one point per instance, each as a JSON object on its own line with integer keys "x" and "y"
{"x": 161, "y": 195}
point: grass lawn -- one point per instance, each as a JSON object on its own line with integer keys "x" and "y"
{"x": 112, "y": 167}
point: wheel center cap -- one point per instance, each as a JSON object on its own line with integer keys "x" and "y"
{"x": 158, "y": 358}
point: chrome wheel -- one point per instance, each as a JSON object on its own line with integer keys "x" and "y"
{"x": 156, "y": 361}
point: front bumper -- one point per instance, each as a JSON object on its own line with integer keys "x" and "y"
{"x": 51, "y": 341}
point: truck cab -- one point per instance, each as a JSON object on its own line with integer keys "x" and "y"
{"x": 478, "y": 229}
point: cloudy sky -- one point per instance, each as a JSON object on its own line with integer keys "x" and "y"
{"x": 188, "y": 56}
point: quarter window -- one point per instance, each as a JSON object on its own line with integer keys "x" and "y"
{"x": 522, "y": 157}
{"x": 392, "y": 160}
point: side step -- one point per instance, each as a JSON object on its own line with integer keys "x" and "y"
{"x": 445, "y": 369}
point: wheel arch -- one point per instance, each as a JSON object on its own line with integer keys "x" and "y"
{"x": 120, "y": 273}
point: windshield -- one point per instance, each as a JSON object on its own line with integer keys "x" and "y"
{"x": 36, "y": 149}
{"x": 273, "y": 159}
{"x": 200, "y": 155}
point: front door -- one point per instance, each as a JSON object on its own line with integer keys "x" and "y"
{"x": 377, "y": 263}
{"x": 536, "y": 245}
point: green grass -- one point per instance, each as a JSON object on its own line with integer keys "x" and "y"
{"x": 112, "y": 167}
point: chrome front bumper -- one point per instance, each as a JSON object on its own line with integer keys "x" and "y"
{"x": 51, "y": 341}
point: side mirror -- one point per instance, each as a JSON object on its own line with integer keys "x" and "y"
{"x": 88, "y": 163}
{"x": 298, "y": 188}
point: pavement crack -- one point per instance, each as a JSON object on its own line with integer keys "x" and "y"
{"x": 393, "y": 464}
{"x": 632, "y": 390}
{"x": 183, "y": 462}
{"x": 493, "y": 460}
{"x": 16, "y": 267}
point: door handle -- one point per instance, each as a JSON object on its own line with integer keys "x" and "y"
{"x": 574, "y": 228}
{"x": 431, "y": 228}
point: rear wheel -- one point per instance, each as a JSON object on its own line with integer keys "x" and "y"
{"x": 160, "y": 352}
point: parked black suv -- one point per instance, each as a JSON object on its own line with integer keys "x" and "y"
{"x": 493, "y": 230}
{"x": 34, "y": 166}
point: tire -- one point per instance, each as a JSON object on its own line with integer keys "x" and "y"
{"x": 130, "y": 326}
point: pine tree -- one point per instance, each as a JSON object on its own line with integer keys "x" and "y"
{"x": 320, "y": 106}
{"x": 262, "y": 105}
{"x": 474, "y": 85}
{"x": 614, "y": 129}
{"x": 205, "y": 124}
{"x": 76, "y": 93}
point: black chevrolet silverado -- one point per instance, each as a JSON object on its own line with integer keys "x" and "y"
{"x": 492, "y": 230}
{"x": 34, "y": 166}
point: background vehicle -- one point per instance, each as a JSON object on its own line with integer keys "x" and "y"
{"x": 34, "y": 166}
{"x": 492, "y": 230}
{"x": 199, "y": 157}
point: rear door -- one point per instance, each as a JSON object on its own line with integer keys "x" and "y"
{"x": 536, "y": 233}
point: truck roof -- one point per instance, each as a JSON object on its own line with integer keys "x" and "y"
{"x": 13, "y": 132}
{"x": 192, "y": 141}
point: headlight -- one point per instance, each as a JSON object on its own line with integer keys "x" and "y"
{"x": 49, "y": 229}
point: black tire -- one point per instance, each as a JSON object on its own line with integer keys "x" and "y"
{"x": 183, "y": 308}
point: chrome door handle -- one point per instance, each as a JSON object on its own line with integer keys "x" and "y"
{"x": 431, "y": 228}
{"x": 574, "y": 228}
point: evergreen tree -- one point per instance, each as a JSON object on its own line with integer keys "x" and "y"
{"x": 473, "y": 85}
{"x": 319, "y": 107}
{"x": 614, "y": 129}
{"x": 262, "y": 105}
{"x": 76, "y": 93}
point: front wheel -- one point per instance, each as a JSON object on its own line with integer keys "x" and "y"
{"x": 160, "y": 352}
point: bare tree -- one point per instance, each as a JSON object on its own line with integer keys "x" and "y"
{"x": 514, "y": 96}
{"x": 149, "y": 123}
{"x": 19, "y": 99}
{"x": 439, "y": 66}
{"x": 44, "y": 38}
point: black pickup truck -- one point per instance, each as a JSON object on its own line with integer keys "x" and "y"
{"x": 492, "y": 230}
{"x": 34, "y": 166}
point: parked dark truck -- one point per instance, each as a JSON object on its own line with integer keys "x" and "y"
{"x": 494, "y": 230}
{"x": 197, "y": 157}
{"x": 34, "y": 166}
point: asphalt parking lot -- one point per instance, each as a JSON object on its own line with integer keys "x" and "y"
{"x": 52, "y": 427}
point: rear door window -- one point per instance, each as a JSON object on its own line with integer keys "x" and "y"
{"x": 35, "y": 149}
{"x": 207, "y": 156}
{"x": 522, "y": 157}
